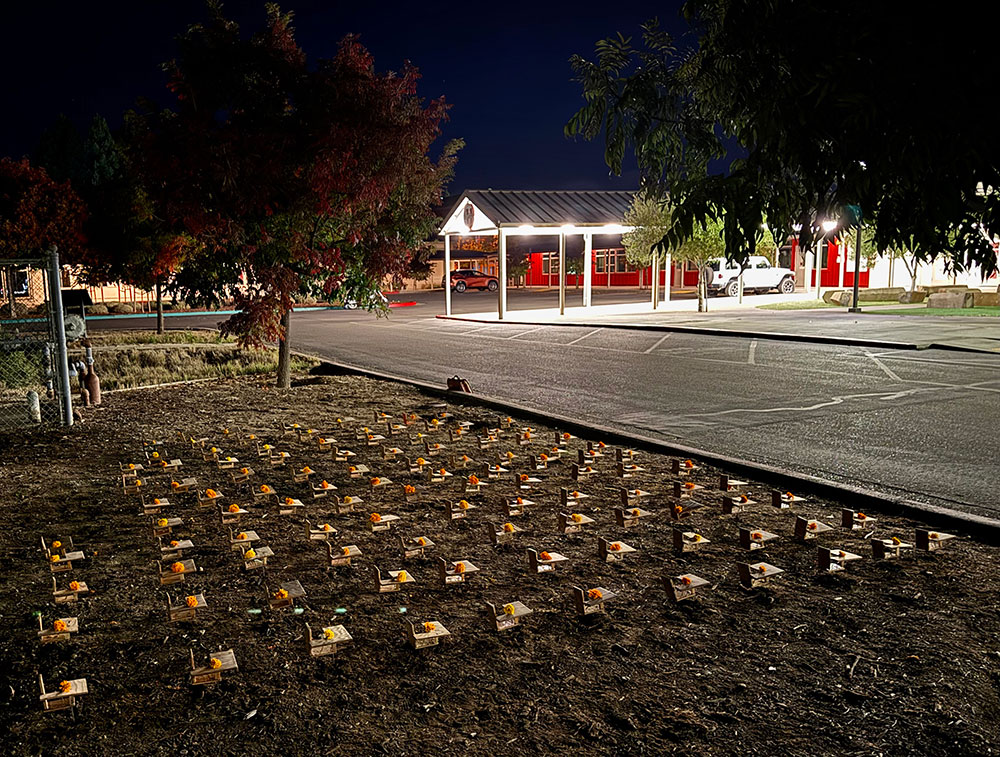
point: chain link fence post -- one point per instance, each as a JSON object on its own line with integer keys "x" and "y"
{"x": 58, "y": 326}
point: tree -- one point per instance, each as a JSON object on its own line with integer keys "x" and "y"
{"x": 706, "y": 243}
{"x": 650, "y": 220}
{"x": 575, "y": 266}
{"x": 802, "y": 109}
{"x": 37, "y": 212}
{"x": 295, "y": 180}
{"x": 517, "y": 268}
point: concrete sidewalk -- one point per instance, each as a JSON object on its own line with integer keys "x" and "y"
{"x": 834, "y": 326}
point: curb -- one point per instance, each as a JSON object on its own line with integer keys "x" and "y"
{"x": 980, "y": 527}
{"x": 777, "y": 336}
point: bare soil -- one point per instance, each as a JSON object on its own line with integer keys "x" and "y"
{"x": 898, "y": 657}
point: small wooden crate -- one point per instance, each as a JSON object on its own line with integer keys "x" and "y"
{"x": 834, "y": 560}
{"x": 322, "y": 489}
{"x": 165, "y": 526}
{"x": 174, "y": 549}
{"x": 784, "y": 500}
{"x": 240, "y": 540}
{"x": 181, "y": 611}
{"x": 630, "y": 517}
{"x": 510, "y": 615}
{"x": 543, "y": 562}
{"x": 330, "y": 640}
{"x": 685, "y": 489}
{"x": 757, "y": 574}
{"x": 683, "y": 467}
{"x": 503, "y": 534}
{"x": 286, "y": 595}
{"x": 69, "y": 594}
{"x": 732, "y": 504}
{"x": 931, "y": 541}
{"x": 170, "y": 576}
{"x": 684, "y": 586}
{"x": 228, "y": 517}
{"x": 393, "y": 580}
{"x": 415, "y": 546}
{"x": 383, "y": 523}
{"x": 613, "y": 551}
{"x": 688, "y": 541}
{"x": 258, "y": 560}
{"x": 566, "y": 497}
{"x": 206, "y": 675}
{"x": 572, "y": 523}
{"x": 322, "y": 532}
{"x": 50, "y": 634}
{"x": 455, "y": 572}
{"x": 340, "y": 556}
{"x": 592, "y": 601}
{"x": 62, "y": 699}
{"x": 807, "y": 529}
{"x": 429, "y": 635}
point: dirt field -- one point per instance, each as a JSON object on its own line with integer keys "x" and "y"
{"x": 895, "y": 658}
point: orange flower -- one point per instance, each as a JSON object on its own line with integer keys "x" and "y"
{"x": 508, "y": 528}
{"x": 234, "y": 508}
{"x": 352, "y": 468}
{"x": 162, "y": 522}
{"x": 861, "y": 516}
{"x": 428, "y": 627}
{"x": 601, "y": 445}
{"x": 323, "y": 484}
{"x": 594, "y": 594}
{"x": 289, "y": 501}
{"x": 74, "y": 585}
{"x": 589, "y": 469}
{"x": 191, "y": 601}
{"x": 545, "y": 555}
{"x": 177, "y": 567}
{"x": 686, "y": 580}
{"x": 527, "y": 434}
{"x": 374, "y": 517}
{"x": 326, "y": 527}
{"x": 896, "y": 540}
{"x": 65, "y": 687}
{"x": 157, "y": 501}
{"x": 838, "y": 553}
{"x": 932, "y": 535}
{"x": 250, "y": 554}
{"x": 763, "y": 569}
{"x": 678, "y": 509}
{"x": 575, "y": 494}
{"x": 460, "y": 567}
{"x": 242, "y": 535}
{"x": 174, "y": 485}
{"x": 156, "y": 454}
{"x": 401, "y": 576}
{"x": 567, "y": 436}
{"x": 614, "y": 546}
{"x": 281, "y": 594}
{"x": 520, "y": 500}
{"x": 509, "y": 609}
{"x": 636, "y": 512}
{"x": 252, "y": 437}
{"x": 688, "y": 464}
{"x": 409, "y": 489}
{"x": 56, "y": 544}
{"x": 789, "y": 495}
{"x": 345, "y": 550}
{"x": 510, "y": 455}
{"x": 421, "y": 461}
{"x": 245, "y": 471}
{"x": 441, "y": 471}
{"x": 689, "y": 484}
{"x": 463, "y": 504}
{"x": 138, "y": 482}
{"x": 131, "y": 466}
{"x": 744, "y": 498}
{"x": 756, "y": 535}
{"x": 543, "y": 457}
{"x": 474, "y": 480}
{"x": 376, "y": 481}
{"x": 211, "y": 493}
{"x": 348, "y": 500}
{"x": 421, "y": 541}
{"x": 215, "y": 663}
{"x": 174, "y": 543}
{"x": 812, "y": 526}
{"x": 576, "y": 517}
{"x": 524, "y": 476}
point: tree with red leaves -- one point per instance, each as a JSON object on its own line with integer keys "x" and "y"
{"x": 297, "y": 180}
{"x": 37, "y": 212}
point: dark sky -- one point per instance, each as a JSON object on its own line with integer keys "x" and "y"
{"x": 503, "y": 66}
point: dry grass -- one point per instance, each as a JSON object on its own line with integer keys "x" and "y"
{"x": 111, "y": 338}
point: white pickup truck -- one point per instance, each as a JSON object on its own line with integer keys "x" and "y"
{"x": 758, "y": 276}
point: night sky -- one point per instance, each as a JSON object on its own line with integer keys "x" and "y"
{"x": 503, "y": 66}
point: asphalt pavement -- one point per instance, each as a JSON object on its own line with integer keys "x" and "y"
{"x": 920, "y": 425}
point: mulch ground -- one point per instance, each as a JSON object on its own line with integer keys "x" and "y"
{"x": 897, "y": 657}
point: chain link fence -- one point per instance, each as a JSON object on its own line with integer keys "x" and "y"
{"x": 34, "y": 380}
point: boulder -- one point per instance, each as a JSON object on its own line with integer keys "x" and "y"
{"x": 985, "y": 299}
{"x": 912, "y": 297}
{"x": 960, "y": 299}
{"x": 829, "y": 294}
{"x": 946, "y": 288}
{"x": 121, "y": 308}
{"x": 842, "y": 298}
{"x": 880, "y": 294}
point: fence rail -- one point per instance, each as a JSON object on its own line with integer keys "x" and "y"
{"x": 34, "y": 371}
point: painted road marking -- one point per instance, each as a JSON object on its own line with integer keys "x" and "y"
{"x": 580, "y": 339}
{"x": 659, "y": 341}
{"x": 888, "y": 371}
{"x": 752, "y": 353}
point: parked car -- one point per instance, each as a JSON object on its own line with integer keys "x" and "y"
{"x": 758, "y": 276}
{"x": 470, "y": 278}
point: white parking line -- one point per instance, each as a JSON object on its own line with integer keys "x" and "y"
{"x": 659, "y": 341}
{"x": 753, "y": 352}
{"x": 522, "y": 333}
{"x": 888, "y": 372}
{"x": 582, "y": 337}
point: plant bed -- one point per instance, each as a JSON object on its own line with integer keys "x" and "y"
{"x": 893, "y": 657}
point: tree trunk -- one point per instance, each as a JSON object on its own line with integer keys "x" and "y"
{"x": 159, "y": 306}
{"x": 702, "y": 300}
{"x": 285, "y": 352}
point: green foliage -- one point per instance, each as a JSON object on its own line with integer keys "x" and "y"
{"x": 650, "y": 218}
{"x": 801, "y": 109}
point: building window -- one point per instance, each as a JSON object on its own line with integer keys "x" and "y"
{"x": 620, "y": 265}
{"x": 599, "y": 265}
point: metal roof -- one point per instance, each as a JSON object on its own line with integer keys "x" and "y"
{"x": 541, "y": 208}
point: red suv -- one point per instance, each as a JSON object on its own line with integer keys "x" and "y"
{"x": 469, "y": 278}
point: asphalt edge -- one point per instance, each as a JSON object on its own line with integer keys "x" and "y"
{"x": 977, "y": 526}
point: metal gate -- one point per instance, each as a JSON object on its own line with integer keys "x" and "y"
{"x": 34, "y": 370}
